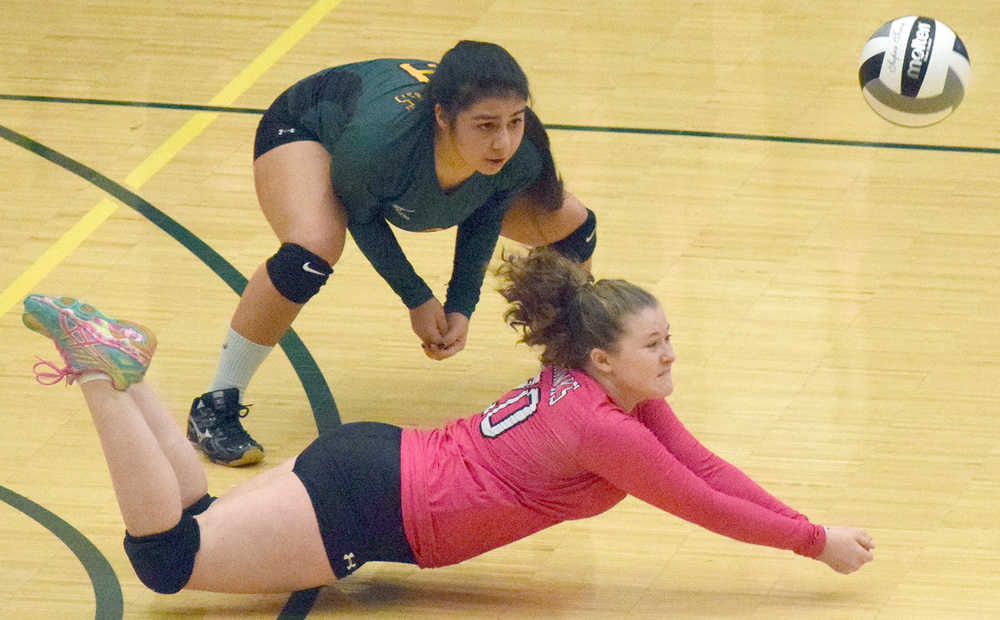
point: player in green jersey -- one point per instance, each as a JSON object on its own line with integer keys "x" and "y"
{"x": 419, "y": 145}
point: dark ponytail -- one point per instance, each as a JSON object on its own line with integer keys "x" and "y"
{"x": 547, "y": 190}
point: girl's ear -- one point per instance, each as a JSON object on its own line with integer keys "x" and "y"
{"x": 441, "y": 117}
{"x": 600, "y": 360}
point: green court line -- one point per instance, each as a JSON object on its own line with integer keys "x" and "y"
{"x": 787, "y": 139}
{"x": 131, "y": 104}
{"x": 107, "y": 588}
{"x": 687, "y": 133}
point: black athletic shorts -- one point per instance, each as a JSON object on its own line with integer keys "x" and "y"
{"x": 352, "y": 475}
{"x": 275, "y": 129}
{"x": 328, "y": 98}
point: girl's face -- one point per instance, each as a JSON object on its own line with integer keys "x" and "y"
{"x": 485, "y": 135}
{"x": 640, "y": 367}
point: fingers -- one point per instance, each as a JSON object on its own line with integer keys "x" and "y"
{"x": 453, "y": 348}
{"x": 861, "y": 556}
{"x": 443, "y": 347}
{"x": 452, "y": 339}
{"x": 437, "y": 340}
{"x": 428, "y": 322}
{"x": 860, "y": 559}
{"x": 432, "y": 345}
{"x": 441, "y": 335}
{"x": 846, "y": 566}
{"x": 441, "y": 340}
{"x": 437, "y": 351}
{"x": 865, "y": 540}
{"x": 431, "y": 351}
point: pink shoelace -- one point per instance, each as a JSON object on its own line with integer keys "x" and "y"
{"x": 52, "y": 374}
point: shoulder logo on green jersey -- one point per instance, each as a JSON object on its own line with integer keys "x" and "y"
{"x": 402, "y": 211}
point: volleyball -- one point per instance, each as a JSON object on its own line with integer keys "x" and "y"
{"x": 914, "y": 71}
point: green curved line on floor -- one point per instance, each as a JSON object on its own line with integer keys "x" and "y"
{"x": 107, "y": 589}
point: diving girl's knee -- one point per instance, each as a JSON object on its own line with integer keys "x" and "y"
{"x": 164, "y": 562}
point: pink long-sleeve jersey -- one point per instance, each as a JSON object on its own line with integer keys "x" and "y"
{"x": 558, "y": 448}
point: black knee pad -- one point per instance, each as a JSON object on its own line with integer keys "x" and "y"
{"x": 579, "y": 245}
{"x": 201, "y": 505}
{"x": 297, "y": 273}
{"x": 163, "y": 562}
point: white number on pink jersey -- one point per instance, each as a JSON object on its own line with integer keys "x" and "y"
{"x": 499, "y": 417}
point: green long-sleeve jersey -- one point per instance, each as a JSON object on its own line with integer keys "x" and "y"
{"x": 369, "y": 117}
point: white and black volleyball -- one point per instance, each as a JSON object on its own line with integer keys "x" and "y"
{"x": 914, "y": 71}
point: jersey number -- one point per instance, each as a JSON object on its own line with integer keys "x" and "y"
{"x": 420, "y": 75}
{"x": 499, "y": 417}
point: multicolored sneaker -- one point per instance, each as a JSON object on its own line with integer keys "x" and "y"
{"x": 89, "y": 341}
{"x": 214, "y": 428}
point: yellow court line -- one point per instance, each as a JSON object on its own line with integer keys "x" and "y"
{"x": 92, "y": 220}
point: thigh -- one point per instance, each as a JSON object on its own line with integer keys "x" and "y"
{"x": 261, "y": 480}
{"x": 296, "y": 196}
{"x": 534, "y": 227}
{"x": 265, "y": 540}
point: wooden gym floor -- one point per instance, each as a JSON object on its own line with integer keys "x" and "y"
{"x": 832, "y": 281}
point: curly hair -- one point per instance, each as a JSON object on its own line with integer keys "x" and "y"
{"x": 556, "y": 304}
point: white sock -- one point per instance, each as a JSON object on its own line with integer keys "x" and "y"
{"x": 238, "y": 362}
{"x": 92, "y": 375}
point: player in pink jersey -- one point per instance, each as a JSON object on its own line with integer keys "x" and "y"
{"x": 590, "y": 428}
